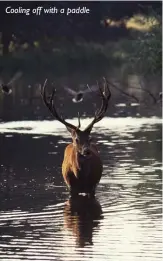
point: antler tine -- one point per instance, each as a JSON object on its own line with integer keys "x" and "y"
{"x": 105, "y": 98}
{"x": 50, "y": 105}
{"x": 99, "y": 114}
{"x": 44, "y": 84}
{"x": 79, "y": 124}
{"x": 43, "y": 93}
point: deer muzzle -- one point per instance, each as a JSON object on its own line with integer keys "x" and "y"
{"x": 85, "y": 151}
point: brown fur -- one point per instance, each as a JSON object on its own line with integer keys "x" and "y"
{"x": 81, "y": 174}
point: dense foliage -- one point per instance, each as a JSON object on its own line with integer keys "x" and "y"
{"x": 147, "y": 48}
{"x": 58, "y": 41}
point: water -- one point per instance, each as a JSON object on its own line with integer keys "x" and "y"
{"x": 39, "y": 222}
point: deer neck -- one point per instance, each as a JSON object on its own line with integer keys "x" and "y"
{"x": 79, "y": 160}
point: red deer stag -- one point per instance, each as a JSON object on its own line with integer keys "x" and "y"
{"x": 82, "y": 166}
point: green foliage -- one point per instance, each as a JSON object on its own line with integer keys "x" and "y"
{"x": 141, "y": 53}
{"x": 80, "y": 56}
{"x": 146, "y": 57}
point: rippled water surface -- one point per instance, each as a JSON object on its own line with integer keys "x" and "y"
{"x": 39, "y": 222}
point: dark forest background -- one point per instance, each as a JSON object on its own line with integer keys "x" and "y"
{"x": 122, "y": 40}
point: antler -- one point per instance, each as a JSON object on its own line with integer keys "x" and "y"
{"x": 79, "y": 124}
{"x": 50, "y": 105}
{"x": 99, "y": 114}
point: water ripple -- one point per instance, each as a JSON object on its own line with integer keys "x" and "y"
{"x": 39, "y": 222}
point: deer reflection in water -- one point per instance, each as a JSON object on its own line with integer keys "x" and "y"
{"x": 82, "y": 216}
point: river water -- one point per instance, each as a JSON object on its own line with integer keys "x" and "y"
{"x": 39, "y": 222}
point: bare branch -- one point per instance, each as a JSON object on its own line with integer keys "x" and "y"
{"x": 123, "y": 92}
{"x": 132, "y": 96}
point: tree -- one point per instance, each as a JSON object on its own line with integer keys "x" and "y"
{"x": 147, "y": 55}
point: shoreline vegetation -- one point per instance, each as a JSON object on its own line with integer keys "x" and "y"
{"x": 142, "y": 47}
{"x": 129, "y": 53}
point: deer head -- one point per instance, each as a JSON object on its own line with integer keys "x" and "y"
{"x": 81, "y": 139}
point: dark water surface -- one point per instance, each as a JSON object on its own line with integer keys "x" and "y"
{"x": 39, "y": 222}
